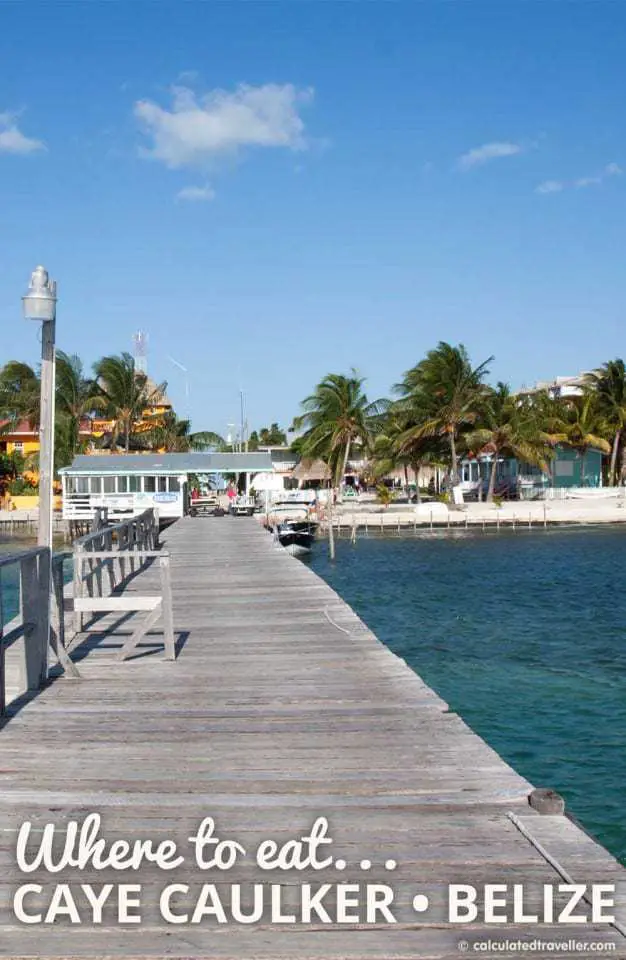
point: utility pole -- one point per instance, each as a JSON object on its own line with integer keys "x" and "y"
{"x": 243, "y": 438}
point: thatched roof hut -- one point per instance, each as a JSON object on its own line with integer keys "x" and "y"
{"x": 312, "y": 471}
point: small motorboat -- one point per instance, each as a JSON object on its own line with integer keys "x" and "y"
{"x": 296, "y": 536}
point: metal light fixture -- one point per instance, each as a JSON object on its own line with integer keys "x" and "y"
{"x": 40, "y": 304}
{"x": 41, "y": 299}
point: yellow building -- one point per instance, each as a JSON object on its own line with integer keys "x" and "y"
{"x": 21, "y": 439}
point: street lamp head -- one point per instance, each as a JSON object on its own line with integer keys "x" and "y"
{"x": 41, "y": 298}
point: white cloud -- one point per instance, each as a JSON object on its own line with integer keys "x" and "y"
{"x": 581, "y": 183}
{"x": 550, "y": 186}
{"x": 12, "y": 140}
{"x": 199, "y": 129}
{"x": 488, "y": 152}
{"x": 196, "y": 194}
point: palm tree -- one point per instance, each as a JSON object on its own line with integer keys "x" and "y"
{"x": 336, "y": 416}
{"x": 584, "y": 426}
{"x": 127, "y": 393}
{"x": 172, "y": 435}
{"x": 391, "y": 451}
{"x": 77, "y": 397}
{"x": 19, "y": 394}
{"x": 508, "y": 427}
{"x": 444, "y": 394}
{"x": 609, "y": 382}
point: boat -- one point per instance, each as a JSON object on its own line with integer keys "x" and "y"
{"x": 296, "y": 536}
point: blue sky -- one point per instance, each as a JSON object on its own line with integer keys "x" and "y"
{"x": 277, "y": 190}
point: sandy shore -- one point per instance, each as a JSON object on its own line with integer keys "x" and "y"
{"x": 609, "y": 510}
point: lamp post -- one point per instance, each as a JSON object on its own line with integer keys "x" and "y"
{"x": 40, "y": 304}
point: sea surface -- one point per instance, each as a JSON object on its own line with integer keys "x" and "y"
{"x": 9, "y": 576}
{"x": 524, "y": 635}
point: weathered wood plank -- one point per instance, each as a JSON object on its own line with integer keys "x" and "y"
{"x": 270, "y": 717}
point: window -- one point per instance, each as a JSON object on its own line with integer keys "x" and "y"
{"x": 134, "y": 484}
{"x": 122, "y": 484}
{"x": 174, "y": 485}
{"x": 82, "y": 484}
{"x": 162, "y": 484}
{"x": 18, "y": 445}
{"x": 149, "y": 484}
{"x": 564, "y": 468}
{"x": 108, "y": 484}
{"x": 95, "y": 485}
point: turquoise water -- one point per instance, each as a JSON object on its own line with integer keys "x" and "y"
{"x": 9, "y": 585}
{"x": 9, "y": 576}
{"x": 524, "y": 635}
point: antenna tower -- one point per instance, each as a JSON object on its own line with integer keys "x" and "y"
{"x": 140, "y": 343}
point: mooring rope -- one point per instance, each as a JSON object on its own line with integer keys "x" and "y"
{"x": 330, "y": 620}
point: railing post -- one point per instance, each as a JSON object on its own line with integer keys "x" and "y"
{"x": 57, "y": 620}
{"x": 167, "y": 608}
{"x": 35, "y": 596}
{"x": 2, "y": 667}
{"x": 108, "y": 545}
{"x": 79, "y": 556}
{"x": 122, "y": 545}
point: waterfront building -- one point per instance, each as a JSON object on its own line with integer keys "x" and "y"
{"x": 569, "y": 468}
{"x": 127, "y": 484}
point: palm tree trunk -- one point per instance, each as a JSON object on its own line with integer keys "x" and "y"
{"x": 454, "y": 475}
{"x": 615, "y": 448}
{"x": 492, "y": 478}
{"x": 406, "y": 480}
{"x": 127, "y": 435}
{"x": 339, "y": 480}
{"x": 582, "y": 468}
{"x": 416, "y": 471}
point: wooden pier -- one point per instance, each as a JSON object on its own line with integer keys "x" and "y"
{"x": 281, "y": 707}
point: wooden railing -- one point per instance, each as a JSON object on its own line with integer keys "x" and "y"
{"x": 40, "y": 623}
{"x": 105, "y": 560}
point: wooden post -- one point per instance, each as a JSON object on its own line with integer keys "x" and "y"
{"x": 168, "y": 611}
{"x": 78, "y": 585}
{"x": 108, "y": 545}
{"x": 431, "y": 521}
{"x": 2, "y": 666}
{"x": 545, "y": 517}
{"x": 35, "y": 617}
{"x": 57, "y": 620}
{"x": 331, "y": 532}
